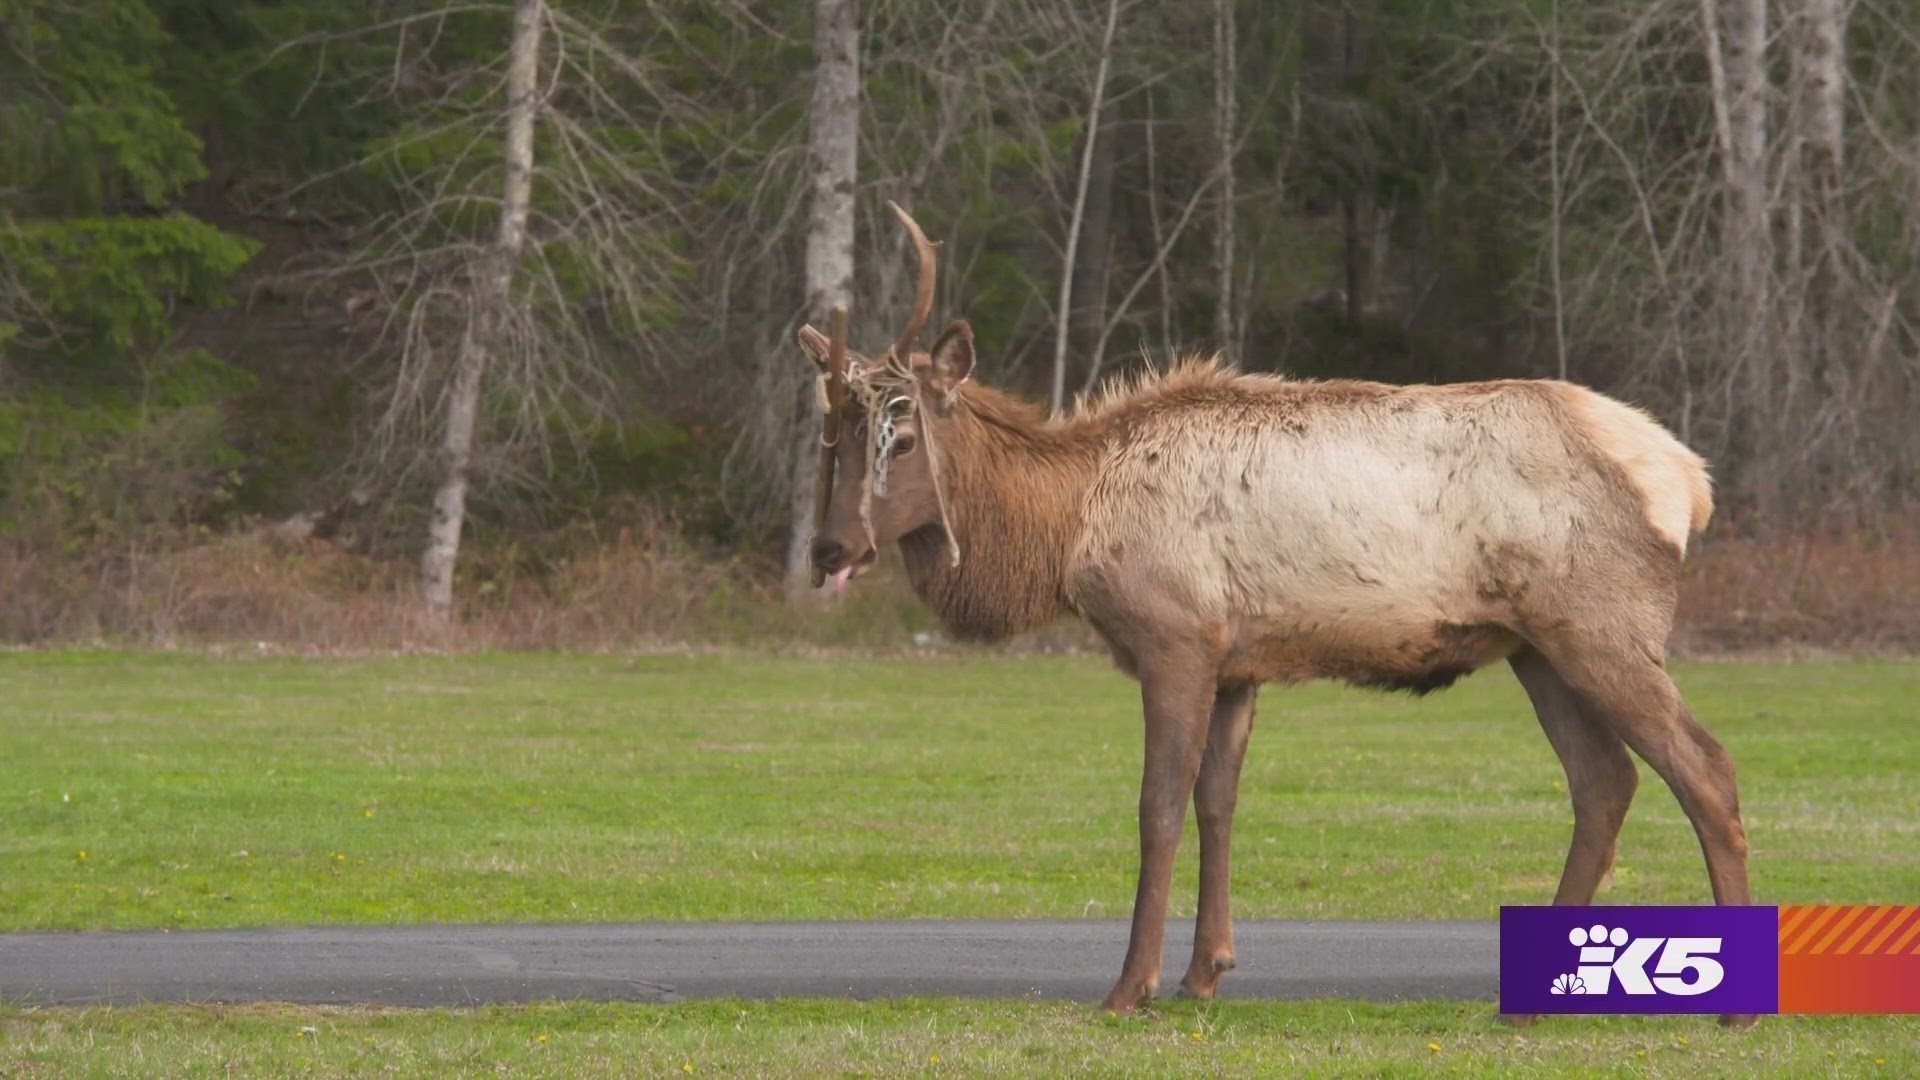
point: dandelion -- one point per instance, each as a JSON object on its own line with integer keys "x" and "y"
{"x": 66, "y": 796}
{"x": 1435, "y": 1047}
{"x": 1198, "y": 1037}
{"x": 1681, "y": 1039}
{"x": 541, "y": 1038}
{"x": 687, "y": 1067}
{"x": 81, "y": 855}
{"x": 369, "y": 812}
{"x": 933, "y": 1059}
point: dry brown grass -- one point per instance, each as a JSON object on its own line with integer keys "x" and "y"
{"x": 646, "y": 588}
{"x": 642, "y": 589}
{"x": 1822, "y": 589}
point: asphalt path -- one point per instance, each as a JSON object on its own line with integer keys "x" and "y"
{"x": 470, "y": 965}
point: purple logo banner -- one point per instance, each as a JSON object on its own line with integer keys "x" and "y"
{"x": 1639, "y": 960}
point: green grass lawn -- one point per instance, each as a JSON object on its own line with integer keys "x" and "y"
{"x": 175, "y": 791}
{"x": 932, "y": 1038}
{"x": 187, "y": 791}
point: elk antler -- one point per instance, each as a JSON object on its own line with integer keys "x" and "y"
{"x": 903, "y": 350}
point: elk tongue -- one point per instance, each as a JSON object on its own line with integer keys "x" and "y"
{"x": 837, "y": 581}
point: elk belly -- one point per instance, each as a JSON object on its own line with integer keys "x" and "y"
{"x": 1381, "y": 654}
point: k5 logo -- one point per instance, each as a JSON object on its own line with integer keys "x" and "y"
{"x": 1610, "y": 957}
{"x": 1618, "y": 959}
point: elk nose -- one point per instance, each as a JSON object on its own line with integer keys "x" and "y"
{"x": 830, "y": 556}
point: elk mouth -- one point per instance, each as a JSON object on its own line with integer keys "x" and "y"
{"x": 837, "y": 581}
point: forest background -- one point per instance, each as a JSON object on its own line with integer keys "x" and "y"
{"x": 350, "y": 324}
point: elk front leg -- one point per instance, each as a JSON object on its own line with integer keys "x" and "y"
{"x": 1214, "y": 795}
{"x": 1176, "y": 707}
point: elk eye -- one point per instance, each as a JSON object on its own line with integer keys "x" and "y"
{"x": 903, "y": 444}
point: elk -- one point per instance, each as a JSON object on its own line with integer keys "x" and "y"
{"x": 1221, "y": 531}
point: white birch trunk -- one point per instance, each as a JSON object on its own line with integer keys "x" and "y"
{"x": 833, "y": 151}
{"x": 1736, "y": 35}
{"x": 1745, "y": 231}
{"x": 1820, "y": 82}
{"x": 493, "y": 292}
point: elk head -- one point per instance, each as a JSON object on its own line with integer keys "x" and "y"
{"x": 880, "y": 476}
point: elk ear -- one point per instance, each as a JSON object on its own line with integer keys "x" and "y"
{"x": 952, "y": 358}
{"x": 816, "y": 344}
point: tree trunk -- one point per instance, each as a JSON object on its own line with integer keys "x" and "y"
{"x": 1090, "y": 276}
{"x": 1356, "y": 201}
{"x": 1555, "y": 212}
{"x": 1063, "y": 316}
{"x": 1225, "y": 106}
{"x": 1736, "y": 38}
{"x": 492, "y": 295}
{"x": 1153, "y": 220}
{"x": 833, "y": 154}
{"x": 1820, "y": 77}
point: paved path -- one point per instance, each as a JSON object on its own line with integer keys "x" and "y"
{"x": 465, "y": 965}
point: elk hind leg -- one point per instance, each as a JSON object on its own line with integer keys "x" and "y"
{"x": 1215, "y": 794}
{"x": 1601, "y": 777}
{"x": 1628, "y": 687}
{"x": 1601, "y": 780}
{"x": 1628, "y": 690}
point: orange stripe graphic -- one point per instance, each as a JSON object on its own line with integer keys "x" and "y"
{"x": 1912, "y": 931}
{"x": 1826, "y": 915}
{"x": 1792, "y": 917}
{"x": 1906, "y": 915}
{"x": 1849, "y": 918}
{"x": 1880, "y": 917}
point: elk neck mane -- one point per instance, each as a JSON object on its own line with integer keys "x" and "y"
{"x": 1017, "y": 484}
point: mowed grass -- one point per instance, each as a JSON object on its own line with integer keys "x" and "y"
{"x": 175, "y": 791}
{"x": 188, "y": 791}
{"x": 931, "y": 1038}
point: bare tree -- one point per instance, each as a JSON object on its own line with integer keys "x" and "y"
{"x": 1556, "y": 210}
{"x": 1356, "y": 200}
{"x": 1068, "y": 262}
{"x": 833, "y": 152}
{"x": 1092, "y": 273}
{"x": 491, "y": 322}
{"x": 1225, "y": 107}
{"x": 1819, "y": 119}
{"x": 1736, "y": 41}
{"x": 494, "y": 296}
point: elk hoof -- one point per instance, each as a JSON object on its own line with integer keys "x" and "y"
{"x": 1126, "y": 999}
{"x": 1202, "y": 982}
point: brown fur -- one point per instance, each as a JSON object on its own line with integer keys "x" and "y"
{"x": 1223, "y": 530}
{"x": 1016, "y": 491}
